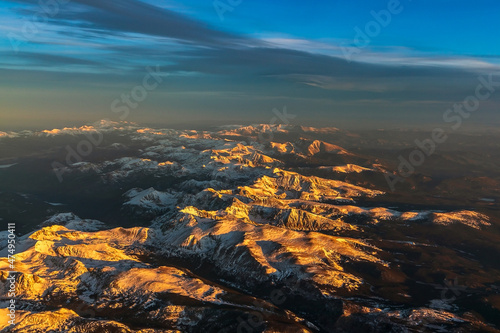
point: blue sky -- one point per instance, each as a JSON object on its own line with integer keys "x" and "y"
{"x": 236, "y": 67}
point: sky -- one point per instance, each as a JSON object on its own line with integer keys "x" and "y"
{"x": 350, "y": 64}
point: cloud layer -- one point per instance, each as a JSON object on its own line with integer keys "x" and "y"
{"x": 99, "y": 49}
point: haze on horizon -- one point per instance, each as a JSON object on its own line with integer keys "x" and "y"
{"x": 66, "y": 63}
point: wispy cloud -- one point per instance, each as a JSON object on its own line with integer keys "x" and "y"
{"x": 106, "y": 43}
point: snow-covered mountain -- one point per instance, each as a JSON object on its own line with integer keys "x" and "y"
{"x": 236, "y": 234}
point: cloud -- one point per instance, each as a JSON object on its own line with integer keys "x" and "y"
{"x": 107, "y": 45}
{"x": 131, "y": 16}
{"x": 136, "y": 32}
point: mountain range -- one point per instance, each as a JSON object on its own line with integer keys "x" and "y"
{"x": 262, "y": 228}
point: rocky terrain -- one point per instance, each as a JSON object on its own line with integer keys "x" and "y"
{"x": 240, "y": 229}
